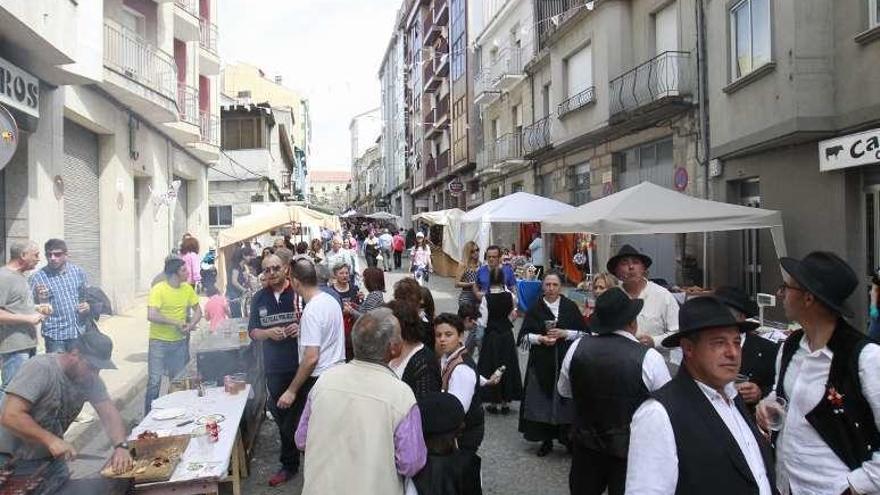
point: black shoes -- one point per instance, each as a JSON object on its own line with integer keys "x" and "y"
{"x": 546, "y": 448}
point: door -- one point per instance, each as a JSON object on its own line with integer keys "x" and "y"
{"x": 81, "y": 213}
{"x": 750, "y": 195}
{"x": 666, "y": 40}
{"x": 872, "y": 227}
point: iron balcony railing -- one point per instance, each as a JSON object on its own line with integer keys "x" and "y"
{"x": 209, "y": 128}
{"x": 442, "y": 161}
{"x": 537, "y": 135}
{"x": 506, "y": 147}
{"x": 666, "y": 75}
{"x": 552, "y": 15}
{"x": 441, "y": 11}
{"x": 208, "y": 35}
{"x": 509, "y": 61}
{"x": 191, "y": 6}
{"x": 577, "y": 100}
{"x": 188, "y": 103}
{"x": 128, "y": 54}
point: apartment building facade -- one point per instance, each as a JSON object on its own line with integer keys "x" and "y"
{"x": 329, "y": 189}
{"x": 795, "y": 126}
{"x": 124, "y": 129}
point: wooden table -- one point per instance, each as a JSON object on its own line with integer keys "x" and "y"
{"x": 220, "y": 462}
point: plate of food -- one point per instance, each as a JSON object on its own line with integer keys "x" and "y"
{"x": 167, "y": 414}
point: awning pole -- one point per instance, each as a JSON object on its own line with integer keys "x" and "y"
{"x": 705, "y": 260}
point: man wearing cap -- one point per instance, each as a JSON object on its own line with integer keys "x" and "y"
{"x": 608, "y": 376}
{"x": 659, "y": 316}
{"x": 43, "y": 400}
{"x": 829, "y": 374}
{"x": 695, "y": 435}
{"x": 758, "y": 369}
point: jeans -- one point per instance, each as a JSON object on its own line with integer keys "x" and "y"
{"x": 54, "y": 476}
{"x": 58, "y": 345}
{"x": 164, "y": 358}
{"x": 386, "y": 260}
{"x": 10, "y": 363}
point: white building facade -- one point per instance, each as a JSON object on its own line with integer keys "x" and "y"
{"x": 114, "y": 158}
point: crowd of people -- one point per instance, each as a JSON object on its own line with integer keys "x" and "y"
{"x": 382, "y": 395}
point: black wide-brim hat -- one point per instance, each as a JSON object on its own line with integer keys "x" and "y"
{"x": 627, "y": 251}
{"x": 737, "y": 299}
{"x": 441, "y": 413}
{"x": 703, "y": 313}
{"x": 614, "y": 309}
{"x": 825, "y": 275}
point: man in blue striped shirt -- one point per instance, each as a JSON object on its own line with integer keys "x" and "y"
{"x": 62, "y": 285}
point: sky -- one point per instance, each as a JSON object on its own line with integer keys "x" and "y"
{"x": 329, "y": 50}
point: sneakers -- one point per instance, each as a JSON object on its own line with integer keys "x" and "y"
{"x": 281, "y": 477}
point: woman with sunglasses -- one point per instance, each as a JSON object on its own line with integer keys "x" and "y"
{"x": 467, "y": 273}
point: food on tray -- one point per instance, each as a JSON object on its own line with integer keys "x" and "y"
{"x": 147, "y": 434}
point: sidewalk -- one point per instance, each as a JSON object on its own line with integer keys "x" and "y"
{"x": 130, "y": 333}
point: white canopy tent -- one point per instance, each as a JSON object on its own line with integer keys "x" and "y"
{"x": 520, "y": 207}
{"x": 456, "y": 233}
{"x": 651, "y": 209}
{"x": 349, "y": 214}
{"x": 383, "y": 215}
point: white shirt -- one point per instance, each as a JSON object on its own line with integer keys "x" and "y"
{"x": 655, "y": 374}
{"x": 537, "y": 250}
{"x": 462, "y": 381}
{"x": 659, "y": 316}
{"x": 803, "y": 460}
{"x": 653, "y": 458}
{"x": 321, "y": 326}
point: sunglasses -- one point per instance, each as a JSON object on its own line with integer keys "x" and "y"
{"x": 56, "y": 254}
{"x": 784, "y": 287}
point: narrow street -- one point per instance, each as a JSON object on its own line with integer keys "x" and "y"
{"x": 510, "y": 466}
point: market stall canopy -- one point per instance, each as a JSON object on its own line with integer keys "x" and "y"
{"x": 270, "y": 219}
{"x": 349, "y": 214}
{"x": 440, "y": 217}
{"x": 651, "y": 209}
{"x": 383, "y": 215}
{"x": 516, "y": 208}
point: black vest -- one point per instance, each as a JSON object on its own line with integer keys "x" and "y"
{"x": 847, "y": 428}
{"x": 607, "y": 387}
{"x": 709, "y": 459}
{"x": 474, "y": 429}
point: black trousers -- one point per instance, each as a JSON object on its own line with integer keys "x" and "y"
{"x": 285, "y": 419}
{"x": 398, "y": 262}
{"x": 592, "y": 472}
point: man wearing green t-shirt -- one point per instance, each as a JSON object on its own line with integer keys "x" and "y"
{"x": 170, "y": 300}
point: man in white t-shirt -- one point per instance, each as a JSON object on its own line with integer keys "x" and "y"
{"x": 321, "y": 336}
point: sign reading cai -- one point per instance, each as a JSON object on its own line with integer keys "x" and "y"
{"x": 18, "y": 89}
{"x": 850, "y": 151}
{"x": 456, "y": 186}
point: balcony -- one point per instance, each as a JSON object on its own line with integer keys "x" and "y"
{"x": 433, "y": 81}
{"x": 575, "y": 101}
{"x": 655, "y": 89}
{"x": 431, "y": 31}
{"x": 209, "y": 60}
{"x": 186, "y": 130}
{"x": 441, "y": 12}
{"x": 504, "y": 71}
{"x": 186, "y": 20}
{"x": 139, "y": 75}
{"x": 506, "y": 149}
{"x": 536, "y": 137}
{"x": 208, "y": 146}
{"x": 430, "y": 168}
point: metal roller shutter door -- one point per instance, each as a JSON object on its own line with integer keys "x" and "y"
{"x": 82, "y": 230}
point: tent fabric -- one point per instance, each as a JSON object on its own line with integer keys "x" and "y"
{"x": 455, "y": 233}
{"x": 383, "y": 215}
{"x": 266, "y": 220}
{"x": 440, "y": 217}
{"x": 651, "y": 209}
{"x": 516, "y": 208}
{"x": 349, "y": 214}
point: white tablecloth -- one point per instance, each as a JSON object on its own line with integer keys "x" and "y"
{"x": 202, "y": 459}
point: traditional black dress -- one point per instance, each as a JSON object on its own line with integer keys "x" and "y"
{"x": 544, "y": 414}
{"x": 499, "y": 348}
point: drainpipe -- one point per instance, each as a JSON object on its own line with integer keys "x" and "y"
{"x": 703, "y": 109}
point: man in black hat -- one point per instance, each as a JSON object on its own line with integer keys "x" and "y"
{"x": 758, "y": 369}
{"x": 695, "y": 436}
{"x": 608, "y": 376}
{"x": 829, "y": 374}
{"x": 659, "y": 316}
{"x": 44, "y": 399}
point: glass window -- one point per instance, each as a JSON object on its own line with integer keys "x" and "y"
{"x": 580, "y": 184}
{"x": 750, "y": 36}
{"x": 578, "y": 71}
{"x": 220, "y": 215}
{"x": 457, "y": 32}
{"x": 873, "y": 13}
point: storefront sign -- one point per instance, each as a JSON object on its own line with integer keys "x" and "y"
{"x": 456, "y": 186}
{"x": 8, "y": 137}
{"x": 18, "y": 89}
{"x": 680, "y": 179}
{"x": 850, "y": 151}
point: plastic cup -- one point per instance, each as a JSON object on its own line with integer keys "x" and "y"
{"x": 776, "y": 409}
